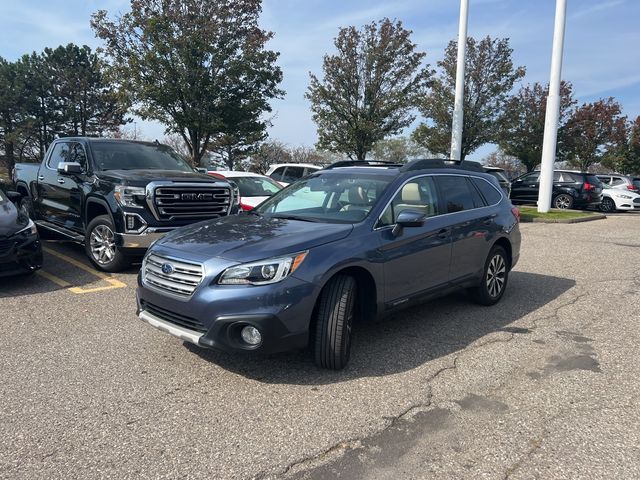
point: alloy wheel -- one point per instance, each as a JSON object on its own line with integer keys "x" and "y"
{"x": 607, "y": 205}
{"x": 103, "y": 244}
{"x": 496, "y": 273}
{"x": 563, "y": 201}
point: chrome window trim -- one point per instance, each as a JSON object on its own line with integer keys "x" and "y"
{"x": 464, "y": 175}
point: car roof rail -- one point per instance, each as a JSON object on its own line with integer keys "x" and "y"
{"x": 431, "y": 163}
{"x": 362, "y": 163}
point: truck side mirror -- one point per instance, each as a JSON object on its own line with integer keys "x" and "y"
{"x": 13, "y": 196}
{"x": 69, "y": 168}
{"x": 201, "y": 170}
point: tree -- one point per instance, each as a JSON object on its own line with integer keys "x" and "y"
{"x": 369, "y": 89}
{"x": 512, "y": 166}
{"x": 266, "y": 155}
{"x": 489, "y": 78}
{"x": 624, "y": 155}
{"x": 398, "y": 150}
{"x": 523, "y": 132}
{"x": 593, "y": 132}
{"x": 12, "y": 108}
{"x": 201, "y": 68}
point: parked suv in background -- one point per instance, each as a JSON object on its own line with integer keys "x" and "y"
{"x": 570, "y": 189}
{"x": 286, "y": 173}
{"x": 346, "y": 243}
{"x": 501, "y": 176}
{"x": 619, "y": 181}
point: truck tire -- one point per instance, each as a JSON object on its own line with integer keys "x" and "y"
{"x": 333, "y": 320}
{"x": 494, "y": 278}
{"x": 100, "y": 245}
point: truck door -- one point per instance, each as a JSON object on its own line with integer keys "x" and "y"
{"x": 61, "y": 194}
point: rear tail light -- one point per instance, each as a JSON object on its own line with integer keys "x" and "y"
{"x": 587, "y": 186}
{"x": 516, "y": 213}
{"x": 633, "y": 188}
{"x": 246, "y": 207}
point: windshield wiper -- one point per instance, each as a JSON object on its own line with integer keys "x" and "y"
{"x": 296, "y": 217}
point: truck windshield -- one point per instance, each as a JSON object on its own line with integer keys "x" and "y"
{"x": 136, "y": 156}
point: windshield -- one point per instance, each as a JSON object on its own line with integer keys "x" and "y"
{"x": 331, "y": 198}
{"x": 137, "y": 156}
{"x": 256, "y": 186}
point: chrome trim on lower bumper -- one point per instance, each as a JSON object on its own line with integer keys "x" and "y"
{"x": 142, "y": 240}
{"x": 175, "y": 330}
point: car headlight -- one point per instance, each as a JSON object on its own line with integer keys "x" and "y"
{"x": 29, "y": 229}
{"x": 263, "y": 272}
{"x": 127, "y": 196}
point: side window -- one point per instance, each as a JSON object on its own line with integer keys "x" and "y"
{"x": 478, "y": 201}
{"x": 418, "y": 195}
{"x": 293, "y": 174}
{"x": 490, "y": 194}
{"x": 78, "y": 155}
{"x": 456, "y": 193}
{"x": 277, "y": 173}
{"x": 605, "y": 180}
{"x": 617, "y": 181}
{"x": 557, "y": 176}
{"x": 62, "y": 152}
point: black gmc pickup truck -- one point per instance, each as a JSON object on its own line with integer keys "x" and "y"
{"x": 118, "y": 196}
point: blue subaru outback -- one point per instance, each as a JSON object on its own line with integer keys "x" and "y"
{"x": 354, "y": 241}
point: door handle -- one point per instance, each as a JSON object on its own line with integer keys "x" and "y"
{"x": 61, "y": 181}
{"x": 443, "y": 233}
{"x": 40, "y": 177}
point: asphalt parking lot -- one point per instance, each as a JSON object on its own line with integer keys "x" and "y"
{"x": 543, "y": 385}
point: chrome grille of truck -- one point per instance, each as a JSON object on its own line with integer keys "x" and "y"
{"x": 191, "y": 201}
{"x": 173, "y": 276}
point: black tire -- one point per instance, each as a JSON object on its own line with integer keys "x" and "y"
{"x": 100, "y": 246}
{"x": 333, "y": 320}
{"x": 494, "y": 278}
{"x": 608, "y": 205}
{"x": 563, "y": 201}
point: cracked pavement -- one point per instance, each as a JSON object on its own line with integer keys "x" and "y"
{"x": 543, "y": 385}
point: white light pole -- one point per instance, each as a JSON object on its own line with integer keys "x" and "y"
{"x": 458, "y": 115}
{"x": 553, "y": 111}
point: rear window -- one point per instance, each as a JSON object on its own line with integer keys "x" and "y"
{"x": 592, "y": 179}
{"x": 490, "y": 194}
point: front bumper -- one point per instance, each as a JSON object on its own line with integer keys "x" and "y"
{"x": 213, "y": 317}
{"x": 142, "y": 240}
{"x": 22, "y": 257}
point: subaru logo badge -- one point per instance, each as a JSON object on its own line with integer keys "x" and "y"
{"x": 167, "y": 268}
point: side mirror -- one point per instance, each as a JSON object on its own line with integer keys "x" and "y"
{"x": 201, "y": 170}
{"x": 408, "y": 218}
{"x": 518, "y": 181}
{"x": 13, "y": 196}
{"x": 69, "y": 168}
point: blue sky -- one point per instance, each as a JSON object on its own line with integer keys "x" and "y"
{"x": 602, "y": 53}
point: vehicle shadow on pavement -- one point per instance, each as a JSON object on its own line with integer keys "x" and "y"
{"x": 408, "y": 339}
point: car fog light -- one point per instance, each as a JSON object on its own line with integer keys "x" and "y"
{"x": 251, "y": 335}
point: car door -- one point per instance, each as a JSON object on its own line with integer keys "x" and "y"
{"x": 416, "y": 260}
{"x": 60, "y": 195}
{"x": 470, "y": 222}
{"x": 525, "y": 188}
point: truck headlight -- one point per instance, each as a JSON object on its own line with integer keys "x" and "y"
{"x": 128, "y": 196}
{"x": 263, "y": 272}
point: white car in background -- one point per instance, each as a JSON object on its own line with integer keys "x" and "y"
{"x": 254, "y": 188}
{"x": 286, "y": 173}
{"x": 619, "y": 199}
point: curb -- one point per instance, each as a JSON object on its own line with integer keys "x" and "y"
{"x": 596, "y": 216}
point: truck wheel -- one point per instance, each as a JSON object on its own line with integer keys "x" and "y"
{"x": 494, "y": 278}
{"x": 100, "y": 245}
{"x": 333, "y": 320}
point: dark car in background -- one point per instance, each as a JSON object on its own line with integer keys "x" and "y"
{"x": 346, "y": 243}
{"x": 570, "y": 189}
{"x": 20, "y": 247}
{"x": 501, "y": 176}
